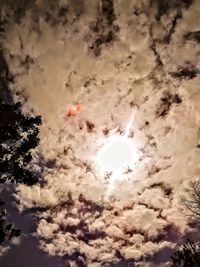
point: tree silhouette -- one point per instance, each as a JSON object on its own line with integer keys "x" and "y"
{"x": 187, "y": 256}
{"x": 193, "y": 204}
{"x": 7, "y": 230}
{"x": 19, "y": 134}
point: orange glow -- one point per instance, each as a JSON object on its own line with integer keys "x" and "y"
{"x": 75, "y": 109}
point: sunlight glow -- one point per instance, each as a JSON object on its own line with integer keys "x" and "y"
{"x": 119, "y": 152}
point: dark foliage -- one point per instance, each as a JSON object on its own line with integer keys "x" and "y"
{"x": 187, "y": 256}
{"x": 5, "y": 78}
{"x": 193, "y": 204}
{"x": 18, "y": 136}
{"x": 7, "y": 230}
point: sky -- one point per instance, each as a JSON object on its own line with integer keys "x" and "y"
{"x": 118, "y": 58}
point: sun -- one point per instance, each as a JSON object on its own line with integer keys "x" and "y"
{"x": 117, "y": 153}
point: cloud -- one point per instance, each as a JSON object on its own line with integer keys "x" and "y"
{"x": 3, "y": 250}
{"x": 80, "y": 222}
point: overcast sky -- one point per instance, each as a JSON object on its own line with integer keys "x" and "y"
{"x": 116, "y": 57}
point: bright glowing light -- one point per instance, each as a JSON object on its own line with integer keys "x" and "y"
{"x": 117, "y": 153}
{"x": 74, "y": 110}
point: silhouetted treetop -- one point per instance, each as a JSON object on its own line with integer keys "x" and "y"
{"x": 7, "y": 230}
{"x": 187, "y": 256}
{"x": 19, "y": 134}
